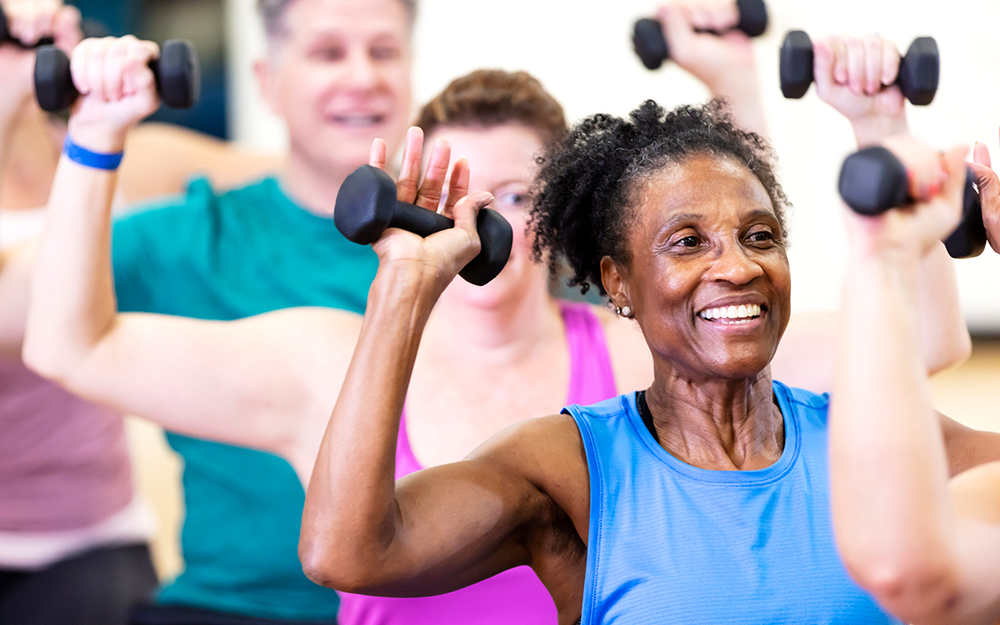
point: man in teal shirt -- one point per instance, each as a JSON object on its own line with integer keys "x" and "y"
{"x": 338, "y": 72}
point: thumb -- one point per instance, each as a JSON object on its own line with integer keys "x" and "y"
{"x": 467, "y": 209}
{"x": 981, "y": 154}
{"x": 986, "y": 178}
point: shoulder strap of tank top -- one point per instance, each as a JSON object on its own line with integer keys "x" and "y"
{"x": 591, "y": 378}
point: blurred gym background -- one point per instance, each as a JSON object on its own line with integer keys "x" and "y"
{"x": 581, "y": 52}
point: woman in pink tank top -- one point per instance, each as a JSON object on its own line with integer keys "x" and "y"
{"x": 514, "y": 311}
{"x": 515, "y": 595}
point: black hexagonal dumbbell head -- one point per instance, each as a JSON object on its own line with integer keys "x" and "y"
{"x": 177, "y": 71}
{"x": 873, "y": 181}
{"x": 367, "y": 205}
{"x": 651, "y": 46}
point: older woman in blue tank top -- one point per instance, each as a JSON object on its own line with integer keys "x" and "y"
{"x": 703, "y": 499}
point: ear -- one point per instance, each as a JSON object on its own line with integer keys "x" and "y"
{"x": 614, "y": 280}
{"x": 264, "y": 71}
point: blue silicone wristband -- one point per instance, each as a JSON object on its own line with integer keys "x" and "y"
{"x": 85, "y": 157}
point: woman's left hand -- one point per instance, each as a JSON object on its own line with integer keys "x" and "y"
{"x": 937, "y": 182}
{"x": 989, "y": 193}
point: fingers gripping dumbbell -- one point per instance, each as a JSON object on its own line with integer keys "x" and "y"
{"x": 367, "y": 205}
{"x": 177, "y": 71}
{"x": 6, "y": 37}
{"x": 918, "y": 70}
{"x": 651, "y": 45}
{"x": 873, "y": 181}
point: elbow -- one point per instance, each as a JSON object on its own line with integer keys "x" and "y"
{"x": 334, "y": 568}
{"x": 914, "y": 592}
{"x": 953, "y": 353}
{"x": 47, "y": 360}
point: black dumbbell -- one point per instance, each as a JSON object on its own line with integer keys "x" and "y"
{"x": 367, "y": 205}
{"x": 873, "y": 181}
{"x": 177, "y": 71}
{"x": 651, "y": 45}
{"x": 918, "y": 70}
{"x": 6, "y": 37}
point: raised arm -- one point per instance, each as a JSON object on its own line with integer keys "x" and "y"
{"x": 444, "y": 527}
{"x": 725, "y": 64}
{"x": 27, "y": 21}
{"x": 160, "y": 158}
{"x": 850, "y": 74}
{"x": 247, "y": 383}
{"x": 895, "y": 520}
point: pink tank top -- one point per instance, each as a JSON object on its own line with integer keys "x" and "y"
{"x": 64, "y": 463}
{"x": 516, "y": 595}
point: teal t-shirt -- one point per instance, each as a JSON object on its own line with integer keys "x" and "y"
{"x": 227, "y": 256}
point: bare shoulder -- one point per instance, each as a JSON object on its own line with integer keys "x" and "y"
{"x": 548, "y": 454}
{"x": 976, "y": 493}
{"x": 630, "y": 357}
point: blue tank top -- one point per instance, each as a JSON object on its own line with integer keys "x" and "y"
{"x": 673, "y": 543}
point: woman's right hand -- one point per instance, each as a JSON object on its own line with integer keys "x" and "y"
{"x": 439, "y": 257}
{"x": 856, "y": 76}
{"x": 28, "y": 22}
{"x": 117, "y": 90}
{"x": 937, "y": 182}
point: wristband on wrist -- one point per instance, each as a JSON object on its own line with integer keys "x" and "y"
{"x": 85, "y": 157}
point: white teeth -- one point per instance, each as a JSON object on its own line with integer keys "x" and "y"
{"x": 742, "y": 312}
{"x": 357, "y": 120}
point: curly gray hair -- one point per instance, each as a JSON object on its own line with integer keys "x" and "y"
{"x": 273, "y": 12}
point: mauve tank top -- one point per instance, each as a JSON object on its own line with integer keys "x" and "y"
{"x": 64, "y": 462}
{"x": 516, "y": 595}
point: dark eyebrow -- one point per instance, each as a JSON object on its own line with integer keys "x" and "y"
{"x": 761, "y": 213}
{"x": 679, "y": 218}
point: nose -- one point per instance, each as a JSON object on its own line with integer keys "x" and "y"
{"x": 362, "y": 70}
{"x": 734, "y": 265}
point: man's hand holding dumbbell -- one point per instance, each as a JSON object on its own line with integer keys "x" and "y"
{"x": 117, "y": 90}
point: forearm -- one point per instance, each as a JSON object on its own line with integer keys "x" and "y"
{"x": 350, "y": 517}
{"x": 73, "y": 301}
{"x": 10, "y": 113}
{"x": 945, "y": 337}
{"x": 742, "y": 90}
{"x": 891, "y": 507}
{"x": 872, "y": 129}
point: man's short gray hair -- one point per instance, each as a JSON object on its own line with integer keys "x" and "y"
{"x": 273, "y": 14}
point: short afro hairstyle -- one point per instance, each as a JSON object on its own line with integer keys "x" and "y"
{"x": 584, "y": 201}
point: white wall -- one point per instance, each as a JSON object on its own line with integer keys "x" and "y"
{"x": 581, "y": 51}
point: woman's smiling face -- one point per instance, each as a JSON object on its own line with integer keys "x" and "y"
{"x": 708, "y": 278}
